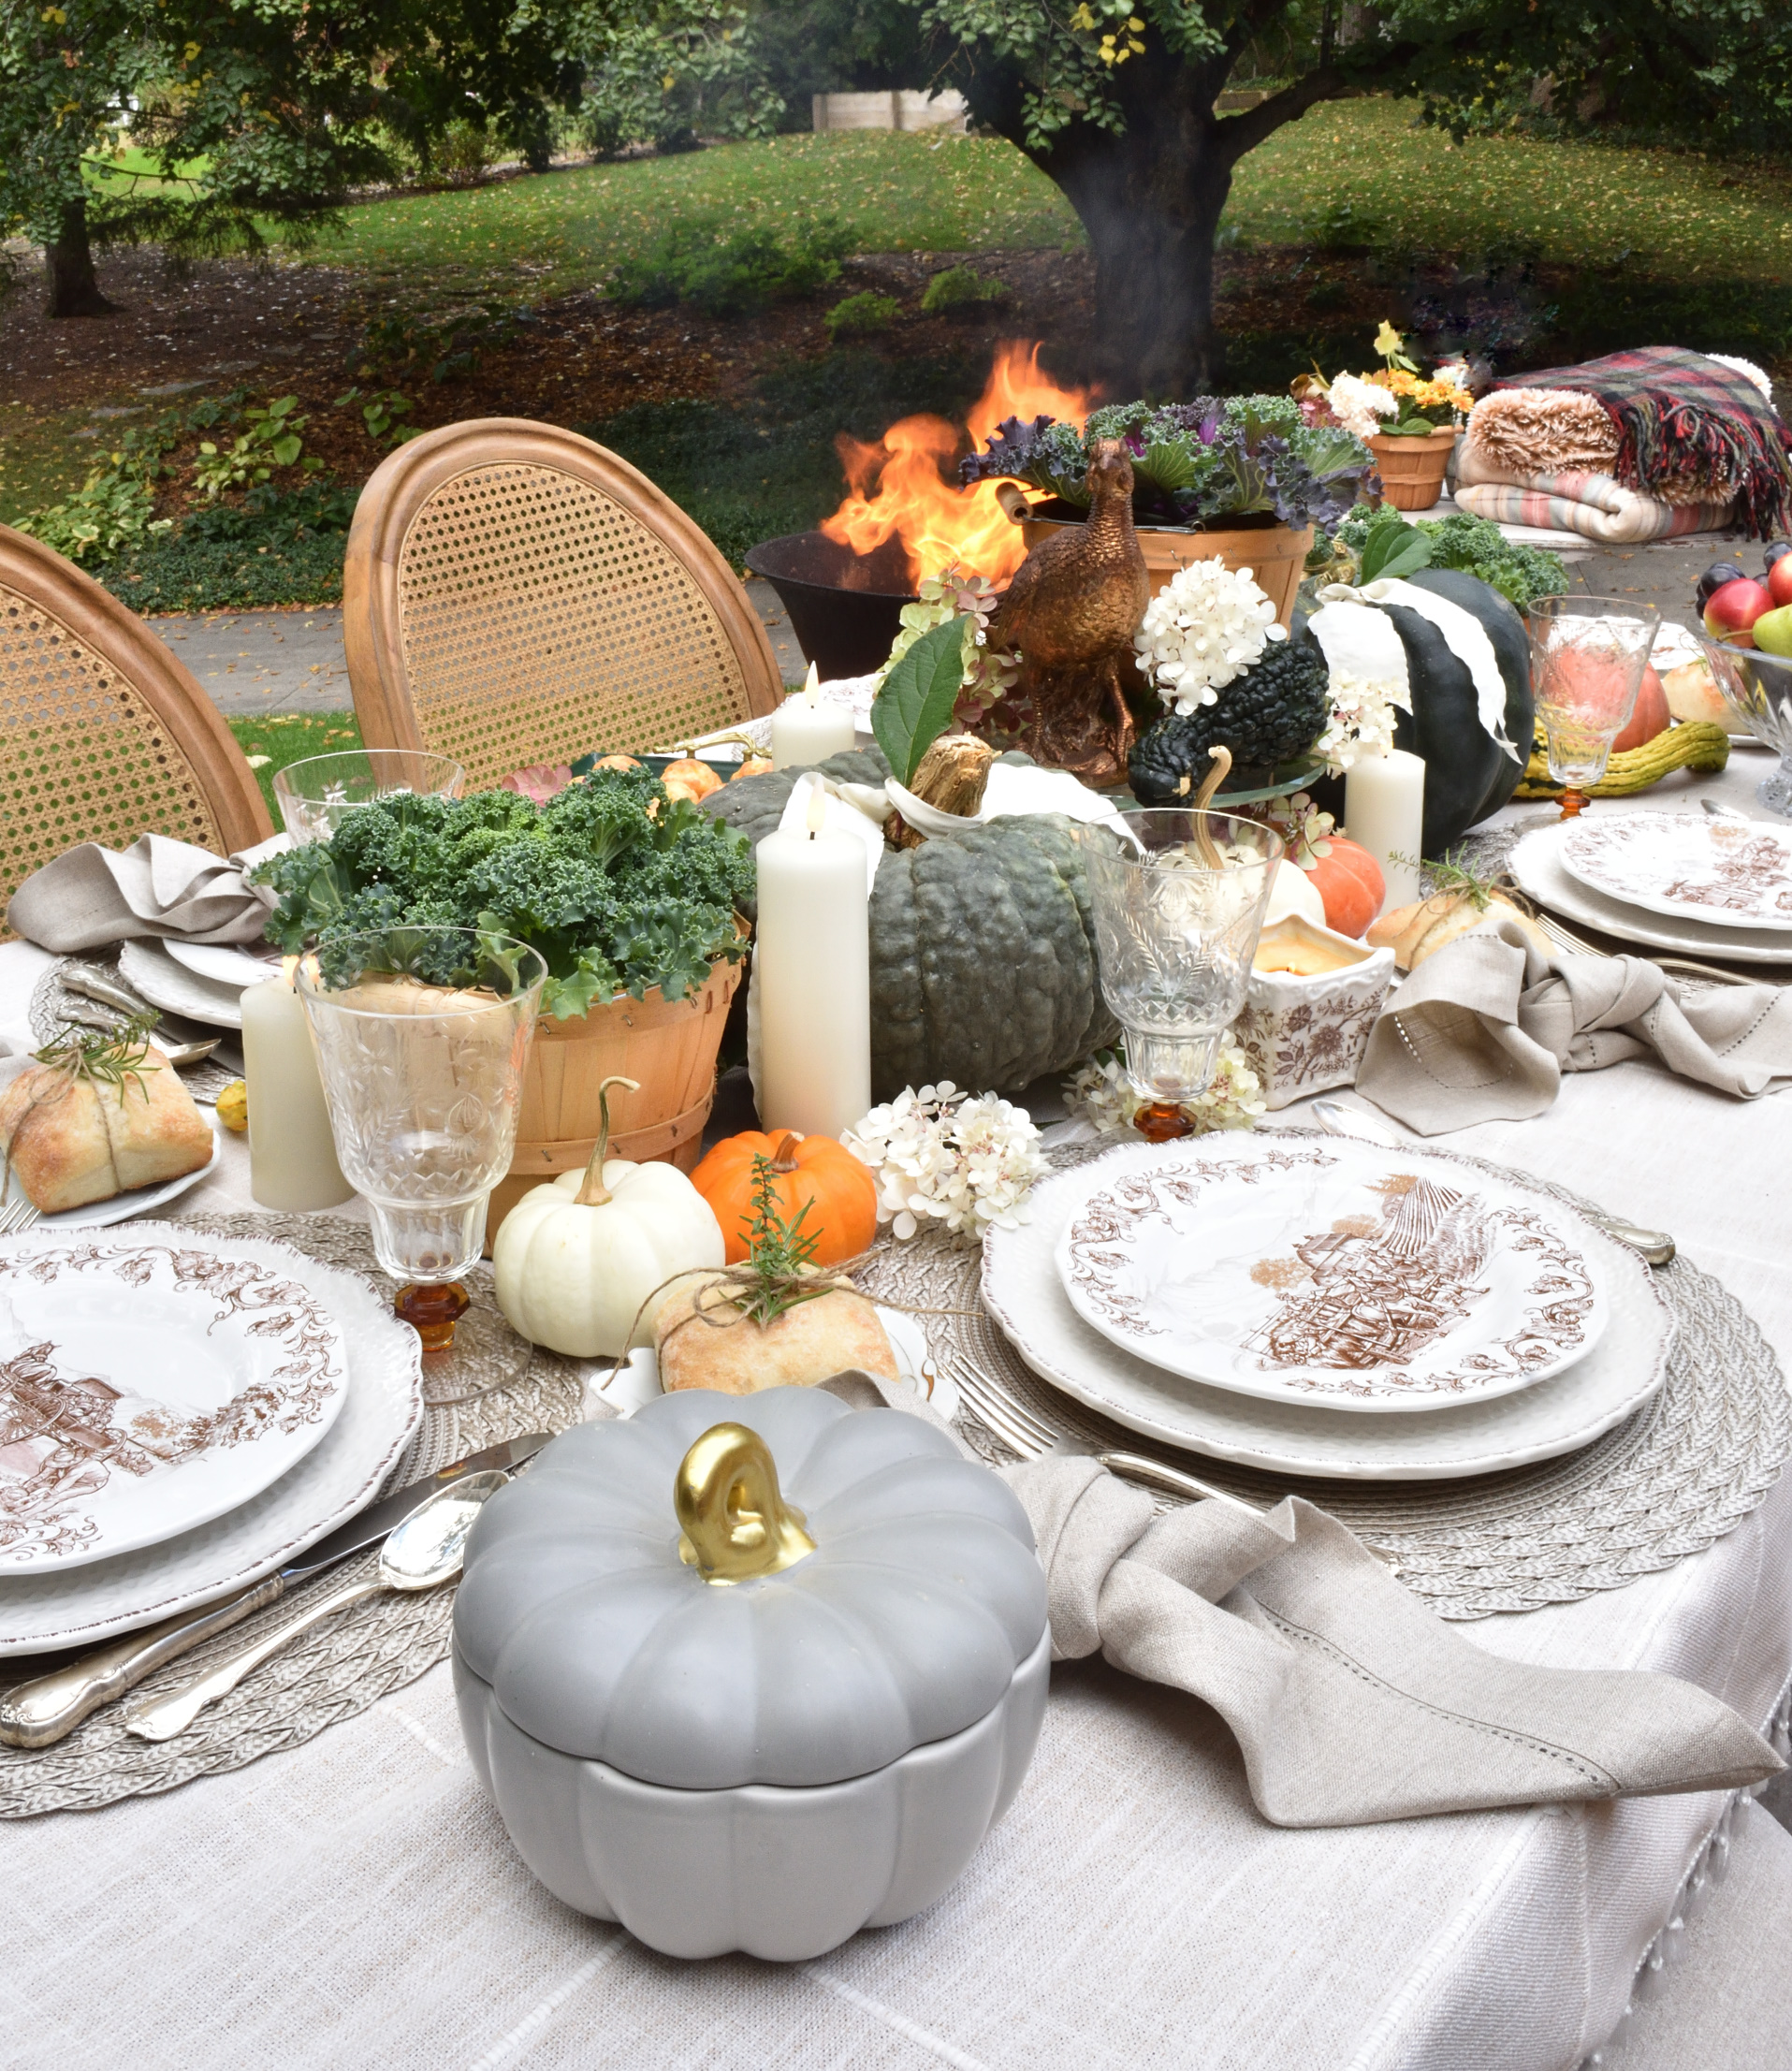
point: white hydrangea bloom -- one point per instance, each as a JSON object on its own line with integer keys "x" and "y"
{"x": 1099, "y": 1092}
{"x": 1202, "y": 631}
{"x": 940, "y": 1155}
{"x": 1360, "y": 406}
{"x": 1362, "y": 721}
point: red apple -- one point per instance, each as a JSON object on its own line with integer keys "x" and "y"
{"x": 1651, "y": 717}
{"x": 1729, "y": 611}
{"x": 1779, "y": 580}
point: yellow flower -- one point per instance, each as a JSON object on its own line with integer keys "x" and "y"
{"x": 1386, "y": 340}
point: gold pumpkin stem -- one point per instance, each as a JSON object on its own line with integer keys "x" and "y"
{"x": 592, "y": 1192}
{"x": 737, "y": 1523}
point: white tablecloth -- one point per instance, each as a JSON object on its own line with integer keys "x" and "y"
{"x": 355, "y": 1903}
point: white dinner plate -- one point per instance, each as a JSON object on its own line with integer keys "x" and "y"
{"x": 1024, "y": 1294}
{"x": 1723, "y": 873}
{"x": 382, "y": 1406}
{"x": 96, "y": 1215}
{"x": 231, "y": 968}
{"x": 637, "y": 1380}
{"x": 1536, "y": 864}
{"x": 149, "y": 968}
{"x": 1363, "y": 1277}
{"x": 147, "y": 1385}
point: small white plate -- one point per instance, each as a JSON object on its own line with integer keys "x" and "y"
{"x": 231, "y": 968}
{"x": 1536, "y": 864}
{"x": 96, "y": 1215}
{"x": 1336, "y": 1272}
{"x": 1023, "y": 1296}
{"x": 1722, "y": 873}
{"x": 148, "y": 1385}
{"x": 637, "y": 1380}
{"x": 148, "y": 967}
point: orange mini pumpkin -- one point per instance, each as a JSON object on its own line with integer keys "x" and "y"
{"x": 691, "y": 778}
{"x": 1349, "y": 881}
{"x": 807, "y": 1169}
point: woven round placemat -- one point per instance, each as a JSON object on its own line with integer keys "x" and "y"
{"x": 347, "y": 1663}
{"x": 1685, "y": 1469}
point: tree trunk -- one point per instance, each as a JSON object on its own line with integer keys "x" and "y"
{"x": 74, "y": 288}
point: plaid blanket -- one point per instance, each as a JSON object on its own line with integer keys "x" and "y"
{"x": 1690, "y": 422}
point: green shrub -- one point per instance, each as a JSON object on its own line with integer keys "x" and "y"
{"x": 728, "y": 276}
{"x": 272, "y": 548}
{"x": 960, "y": 291}
{"x": 109, "y": 513}
{"x": 861, "y": 317}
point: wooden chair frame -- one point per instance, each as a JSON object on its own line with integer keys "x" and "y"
{"x": 404, "y": 483}
{"x": 123, "y": 642}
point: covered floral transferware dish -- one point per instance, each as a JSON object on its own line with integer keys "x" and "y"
{"x": 751, "y": 1672}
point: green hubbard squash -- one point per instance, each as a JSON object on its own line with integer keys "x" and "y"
{"x": 982, "y": 950}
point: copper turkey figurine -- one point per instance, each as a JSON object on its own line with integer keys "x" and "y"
{"x": 1071, "y": 610}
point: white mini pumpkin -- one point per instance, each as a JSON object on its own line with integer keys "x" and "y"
{"x": 578, "y": 1259}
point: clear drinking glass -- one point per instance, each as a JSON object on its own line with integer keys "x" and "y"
{"x": 421, "y": 1035}
{"x": 317, "y": 794}
{"x": 1757, "y": 689}
{"x": 1179, "y": 895}
{"x": 1587, "y": 659}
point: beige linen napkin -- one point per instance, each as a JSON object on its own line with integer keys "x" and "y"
{"x": 1352, "y": 1703}
{"x": 91, "y": 895}
{"x": 1483, "y": 1030}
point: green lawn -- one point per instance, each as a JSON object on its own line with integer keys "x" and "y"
{"x": 289, "y": 738}
{"x": 561, "y": 232}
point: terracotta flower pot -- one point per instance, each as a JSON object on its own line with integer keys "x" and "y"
{"x": 1412, "y": 470}
{"x": 1274, "y": 554}
{"x": 669, "y": 1045}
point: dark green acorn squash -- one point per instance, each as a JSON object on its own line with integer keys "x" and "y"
{"x": 1468, "y": 775}
{"x": 983, "y": 954}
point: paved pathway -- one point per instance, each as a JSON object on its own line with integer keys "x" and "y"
{"x": 264, "y": 661}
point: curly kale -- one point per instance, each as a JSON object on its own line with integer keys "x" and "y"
{"x": 620, "y": 887}
{"x": 1474, "y": 545}
{"x": 1193, "y": 463}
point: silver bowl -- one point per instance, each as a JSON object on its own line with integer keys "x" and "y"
{"x": 1757, "y": 689}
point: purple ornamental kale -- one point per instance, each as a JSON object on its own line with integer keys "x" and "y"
{"x": 1014, "y": 451}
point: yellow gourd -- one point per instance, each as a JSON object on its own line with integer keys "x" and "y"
{"x": 233, "y": 1107}
{"x": 1697, "y": 745}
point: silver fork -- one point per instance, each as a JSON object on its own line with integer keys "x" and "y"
{"x": 1576, "y": 946}
{"x": 18, "y": 1214}
{"x": 1022, "y": 1431}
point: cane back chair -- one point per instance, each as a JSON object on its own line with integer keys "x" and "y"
{"x": 516, "y": 594}
{"x": 104, "y": 735}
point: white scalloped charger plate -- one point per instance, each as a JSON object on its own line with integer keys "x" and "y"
{"x": 147, "y": 1385}
{"x": 381, "y": 1407}
{"x": 1372, "y": 1279}
{"x": 220, "y": 965}
{"x": 1024, "y": 1295}
{"x": 1722, "y": 873}
{"x": 97, "y": 1215}
{"x": 148, "y": 967}
{"x": 1536, "y": 864}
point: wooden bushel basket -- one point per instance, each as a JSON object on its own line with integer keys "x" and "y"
{"x": 1412, "y": 470}
{"x": 668, "y": 1046}
{"x": 1274, "y": 554}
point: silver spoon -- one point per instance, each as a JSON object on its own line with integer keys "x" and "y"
{"x": 176, "y": 1052}
{"x": 1655, "y": 1246}
{"x": 422, "y": 1553}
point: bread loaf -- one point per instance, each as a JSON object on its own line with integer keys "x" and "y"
{"x": 812, "y": 1341}
{"x": 73, "y": 1139}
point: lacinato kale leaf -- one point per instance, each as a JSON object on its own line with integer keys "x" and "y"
{"x": 620, "y": 887}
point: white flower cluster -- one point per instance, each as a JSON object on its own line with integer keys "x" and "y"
{"x": 1360, "y": 406}
{"x": 1099, "y": 1092}
{"x": 944, "y": 1156}
{"x": 1361, "y": 721}
{"x": 1203, "y": 632}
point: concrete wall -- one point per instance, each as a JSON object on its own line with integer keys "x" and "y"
{"x": 905, "y": 109}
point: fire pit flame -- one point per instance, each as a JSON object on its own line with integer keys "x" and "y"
{"x": 905, "y": 489}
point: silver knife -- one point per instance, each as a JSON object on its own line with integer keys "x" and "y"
{"x": 39, "y": 1712}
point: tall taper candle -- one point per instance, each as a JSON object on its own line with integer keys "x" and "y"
{"x": 813, "y": 959}
{"x": 1384, "y": 811}
{"x": 292, "y": 1155}
{"x": 807, "y": 728}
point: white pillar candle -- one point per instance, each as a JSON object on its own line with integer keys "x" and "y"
{"x": 807, "y": 728}
{"x": 812, "y": 956}
{"x": 292, "y": 1155}
{"x": 1384, "y": 811}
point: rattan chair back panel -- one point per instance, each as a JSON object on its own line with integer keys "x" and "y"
{"x": 516, "y": 594}
{"x": 103, "y": 735}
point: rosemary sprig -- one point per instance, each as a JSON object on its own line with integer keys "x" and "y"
{"x": 115, "y": 1058}
{"x": 779, "y": 1253}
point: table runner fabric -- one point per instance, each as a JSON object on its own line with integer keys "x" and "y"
{"x": 92, "y": 896}
{"x": 1484, "y": 1029}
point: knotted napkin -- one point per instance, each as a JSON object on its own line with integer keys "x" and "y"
{"x": 1350, "y": 1701}
{"x": 1483, "y": 1030}
{"x": 91, "y": 895}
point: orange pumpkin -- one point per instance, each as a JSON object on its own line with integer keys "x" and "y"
{"x": 1651, "y": 717}
{"x": 816, "y": 1170}
{"x": 1349, "y": 881}
{"x": 691, "y": 778}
